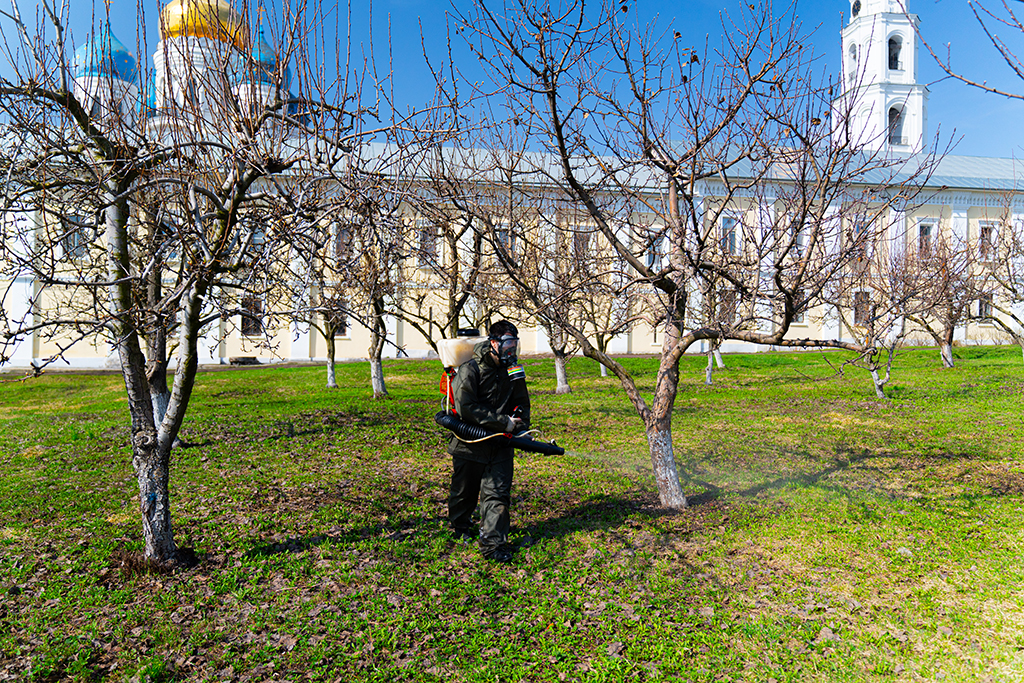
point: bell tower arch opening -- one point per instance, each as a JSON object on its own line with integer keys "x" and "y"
{"x": 880, "y": 51}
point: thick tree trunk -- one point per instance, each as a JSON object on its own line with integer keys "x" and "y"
{"x": 160, "y": 400}
{"x": 946, "y": 351}
{"x": 150, "y": 458}
{"x": 332, "y": 381}
{"x": 604, "y": 370}
{"x": 159, "y": 393}
{"x": 709, "y": 371}
{"x": 561, "y": 376}
{"x": 377, "y": 378}
{"x": 663, "y": 460}
{"x": 378, "y": 335}
{"x": 718, "y": 358}
{"x": 879, "y": 384}
{"x": 152, "y": 470}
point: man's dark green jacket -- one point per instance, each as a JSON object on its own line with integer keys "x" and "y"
{"x": 484, "y": 395}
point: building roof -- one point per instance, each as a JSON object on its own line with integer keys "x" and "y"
{"x": 978, "y": 173}
{"x": 264, "y": 67}
{"x": 105, "y": 55}
{"x": 214, "y": 19}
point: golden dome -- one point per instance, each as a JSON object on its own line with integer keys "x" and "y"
{"x": 204, "y": 19}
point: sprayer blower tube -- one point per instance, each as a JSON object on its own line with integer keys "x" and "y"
{"x": 474, "y": 432}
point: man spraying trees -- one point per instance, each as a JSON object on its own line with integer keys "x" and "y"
{"x": 489, "y": 391}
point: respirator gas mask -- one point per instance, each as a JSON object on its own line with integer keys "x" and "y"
{"x": 508, "y": 350}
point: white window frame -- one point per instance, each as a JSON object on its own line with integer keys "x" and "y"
{"x": 728, "y": 235}
{"x": 426, "y": 227}
{"x": 924, "y": 246}
{"x": 986, "y": 247}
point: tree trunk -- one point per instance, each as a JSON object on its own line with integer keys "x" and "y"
{"x": 663, "y": 460}
{"x": 159, "y": 393}
{"x": 946, "y": 351}
{"x": 718, "y": 358}
{"x": 150, "y": 461}
{"x": 879, "y": 384}
{"x": 561, "y": 377}
{"x": 604, "y": 370}
{"x": 710, "y": 369}
{"x": 332, "y": 381}
{"x": 377, "y": 378}
{"x": 152, "y": 470}
{"x": 378, "y": 335}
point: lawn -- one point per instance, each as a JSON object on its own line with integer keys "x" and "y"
{"x": 832, "y": 537}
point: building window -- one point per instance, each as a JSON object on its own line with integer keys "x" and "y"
{"x": 191, "y": 93}
{"x": 861, "y": 307}
{"x": 985, "y": 306}
{"x": 505, "y": 238}
{"x": 75, "y": 239}
{"x": 728, "y": 235}
{"x": 252, "y": 316}
{"x": 656, "y": 253}
{"x": 800, "y": 314}
{"x": 335, "y": 320}
{"x": 924, "y": 239}
{"x": 343, "y": 243}
{"x": 852, "y": 61}
{"x": 986, "y": 239}
{"x": 895, "y": 45}
{"x": 725, "y": 311}
{"x": 259, "y": 240}
{"x": 860, "y": 247}
{"x": 580, "y": 242}
{"x": 896, "y": 127}
{"x": 799, "y": 240}
{"x": 426, "y": 241}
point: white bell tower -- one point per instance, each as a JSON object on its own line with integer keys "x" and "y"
{"x": 882, "y": 106}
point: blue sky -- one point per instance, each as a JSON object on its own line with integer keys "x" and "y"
{"x": 984, "y": 124}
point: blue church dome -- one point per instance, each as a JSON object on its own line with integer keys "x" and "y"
{"x": 105, "y": 55}
{"x": 263, "y": 67}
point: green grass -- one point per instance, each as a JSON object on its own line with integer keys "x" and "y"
{"x": 835, "y": 537}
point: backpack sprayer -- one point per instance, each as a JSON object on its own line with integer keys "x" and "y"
{"x": 455, "y": 352}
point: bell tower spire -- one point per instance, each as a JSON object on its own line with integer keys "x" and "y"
{"x": 882, "y": 105}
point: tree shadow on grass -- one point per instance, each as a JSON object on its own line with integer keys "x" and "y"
{"x": 297, "y": 544}
{"x": 598, "y": 513}
{"x": 842, "y": 460}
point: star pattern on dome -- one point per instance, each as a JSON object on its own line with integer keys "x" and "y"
{"x": 105, "y": 55}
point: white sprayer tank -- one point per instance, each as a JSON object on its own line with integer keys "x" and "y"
{"x": 455, "y": 352}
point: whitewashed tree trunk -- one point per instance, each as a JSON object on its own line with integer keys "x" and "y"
{"x": 718, "y": 358}
{"x": 378, "y": 336}
{"x": 332, "y": 381}
{"x": 709, "y": 371}
{"x": 946, "y": 351}
{"x": 879, "y": 383}
{"x": 604, "y": 370}
{"x": 659, "y": 441}
{"x": 561, "y": 376}
{"x": 377, "y": 378}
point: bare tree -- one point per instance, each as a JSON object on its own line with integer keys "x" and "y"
{"x": 657, "y": 142}
{"x": 1000, "y": 253}
{"x": 442, "y": 293}
{"x": 950, "y": 284}
{"x": 82, "y": 223}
